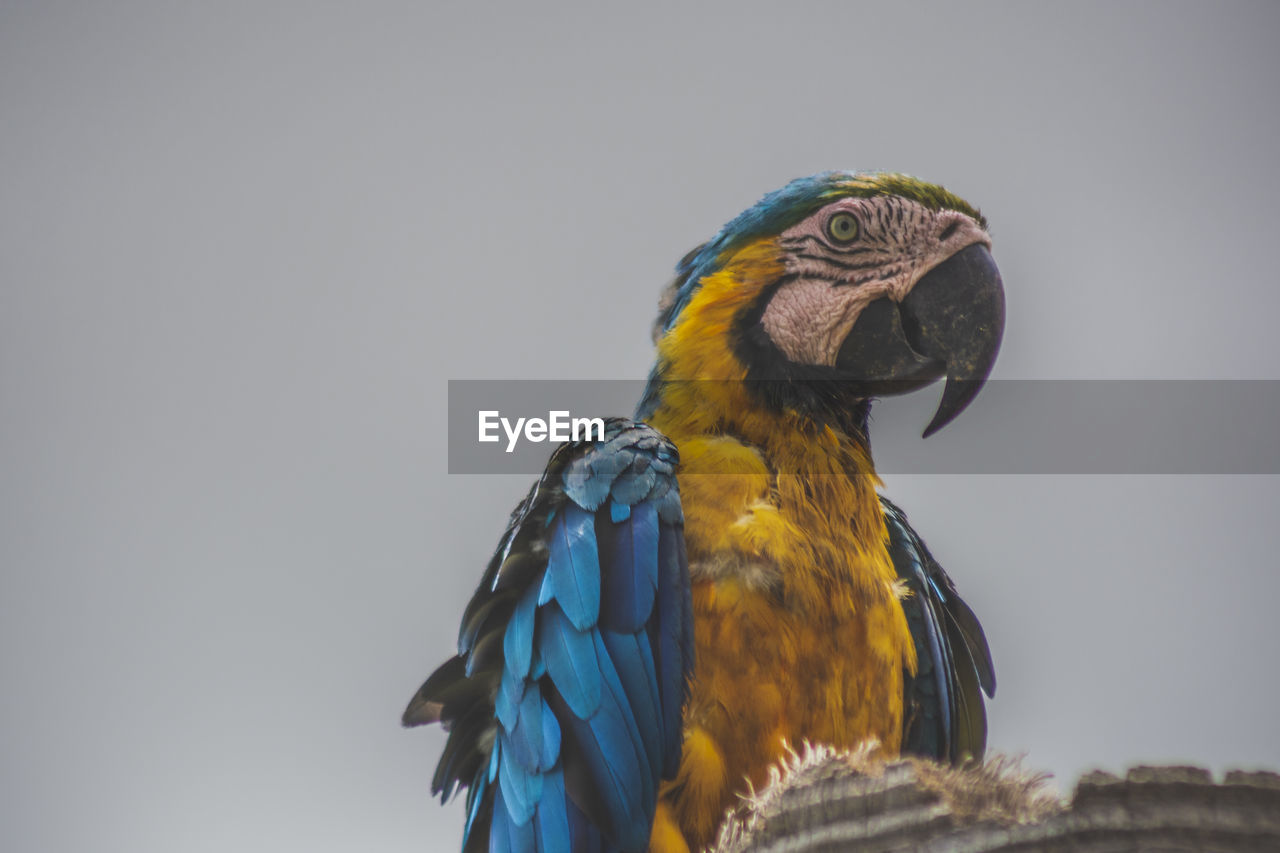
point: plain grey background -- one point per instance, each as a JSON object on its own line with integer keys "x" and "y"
{"x": 243, "y": 246}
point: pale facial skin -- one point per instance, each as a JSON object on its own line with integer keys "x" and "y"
{"x": 835, "y": 266}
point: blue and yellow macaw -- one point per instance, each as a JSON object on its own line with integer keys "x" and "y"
{"x": 674, "y": 604}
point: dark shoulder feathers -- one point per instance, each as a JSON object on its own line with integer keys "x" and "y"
{"x": 944, "y": 714}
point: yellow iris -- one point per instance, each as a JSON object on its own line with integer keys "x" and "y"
{"x": 843, "y": 227}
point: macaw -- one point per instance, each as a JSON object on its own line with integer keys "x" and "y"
{"x": 673, "y": 605}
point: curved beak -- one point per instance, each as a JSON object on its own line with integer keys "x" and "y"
{"x": 949, "y": 324}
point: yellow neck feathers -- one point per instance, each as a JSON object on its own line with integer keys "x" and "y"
{"x": 770, "y": 489}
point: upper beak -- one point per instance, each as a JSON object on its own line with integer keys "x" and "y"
{"x": 950, "y": 323}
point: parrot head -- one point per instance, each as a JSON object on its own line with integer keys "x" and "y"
{"x": 838, "y": 288}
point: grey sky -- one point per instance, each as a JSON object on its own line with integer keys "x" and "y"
{"x": 243, "y": 248}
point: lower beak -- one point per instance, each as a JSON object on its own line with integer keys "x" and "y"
{"x": 949, "y": 324}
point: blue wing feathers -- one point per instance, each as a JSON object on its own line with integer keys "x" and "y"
{"x": 570, "y": 657}
{"x": 517, "y": 643}
{"x": 630, "y": 552}
{"x": 616, "y": 751}
{"x": 551, "y": 823}
{"x": 644, "y": 555}
{"x": 671, "y": 636}
{"x": 585, "y": 488}
{"x": 669, "y": 508}
{"x": 601, "y": 790}
{"x": 634, "y": 487}
{"x": 574, "y": 567}
{"x": 506, "y": 702}
{"x": 550, "y": 738}
{"x": 633, "y": 657}
{"x": 505, "y": 834}
{"x": 574, "y": 656}
{"x": 521, "y": 789}
{"x": 618, "y": 662}
{"x": 586, "y": 835}
{"x": 534, "y": 739}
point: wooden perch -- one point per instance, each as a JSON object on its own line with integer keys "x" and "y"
{"x": 823, "y": 800}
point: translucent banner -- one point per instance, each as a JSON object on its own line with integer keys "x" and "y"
{"x": 1012, "y": 427}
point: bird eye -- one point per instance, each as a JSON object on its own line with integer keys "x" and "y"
{"x": 843, "y": 227}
